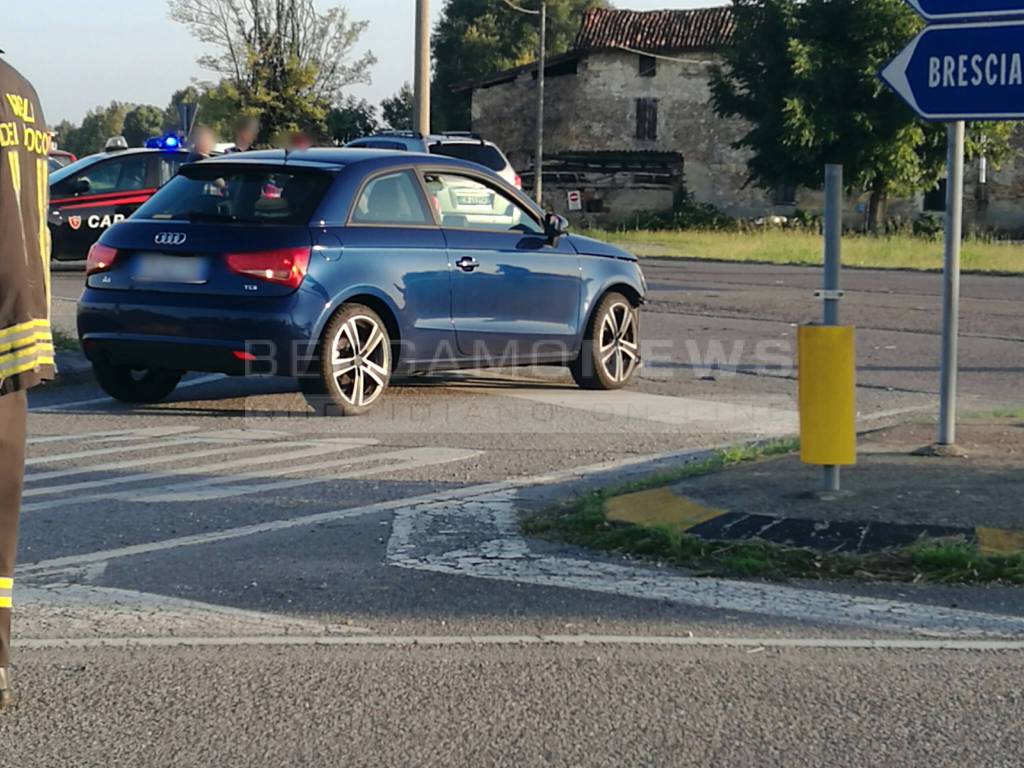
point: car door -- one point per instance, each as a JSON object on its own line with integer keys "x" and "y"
{"x": 98, "y": 197}
{"x": 515, "y": 294}
{"x": 391, "y": 246}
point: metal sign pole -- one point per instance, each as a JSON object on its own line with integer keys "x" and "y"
{"x": 833, "y": 253}
{"x": 951, "y": 283}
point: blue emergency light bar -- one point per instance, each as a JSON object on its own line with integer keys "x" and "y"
{"x": 169, "y": 142}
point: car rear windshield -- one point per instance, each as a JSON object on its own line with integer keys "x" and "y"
{"x": 483, "y": 154}
{"x": 239, "y": 194}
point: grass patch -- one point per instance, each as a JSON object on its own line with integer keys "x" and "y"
{"x": 65, "y": 342}
{"x": 774, "y": 246}
{"x": 583, "y": 522}
{"x": 1011, "y": 412}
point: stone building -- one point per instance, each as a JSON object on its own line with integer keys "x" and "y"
{"x": 629, "y": 125}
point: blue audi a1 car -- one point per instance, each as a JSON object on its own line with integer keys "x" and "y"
{"x": 342, "y": 267}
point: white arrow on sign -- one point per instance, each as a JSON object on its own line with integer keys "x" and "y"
{"x": 895, "y": 74}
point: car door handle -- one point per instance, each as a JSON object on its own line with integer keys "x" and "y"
{"x": 467, "y": 263}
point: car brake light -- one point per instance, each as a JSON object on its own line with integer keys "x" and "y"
{"x": 100, "y": 259}
{"x": 284, "y": 266}
{"x": 519, "y": 182}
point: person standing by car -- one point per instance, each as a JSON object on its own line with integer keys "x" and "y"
{"x": 26, "y": 344}
{"x": 203, "y": 140}
{"x": 247, "y": 129}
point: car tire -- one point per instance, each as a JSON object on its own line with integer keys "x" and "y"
{"x": 352, "y": 369}
{"x": 135, "y": 385}
{"x": 610, "y": 355}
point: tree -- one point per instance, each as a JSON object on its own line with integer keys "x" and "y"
{"x": 353, "y": 119}
{"x": 802, "y": 73}
{"x": 287, "y": 61}
{"x": 397, "y": 110}
{"x": 142, "y": 122}
{"x": 476, "y": 38}
{"x": 97, "y": 127}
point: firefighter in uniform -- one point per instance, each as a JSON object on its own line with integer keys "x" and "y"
{"x": 26, "y": 346}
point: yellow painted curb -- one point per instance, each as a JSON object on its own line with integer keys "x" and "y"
{"x": 1000, "y": 541}
{"x": 659, "y": 507}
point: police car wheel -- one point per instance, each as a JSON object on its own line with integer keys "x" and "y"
{"x": 353, "y": 366}
{"x": 135, "y": 385}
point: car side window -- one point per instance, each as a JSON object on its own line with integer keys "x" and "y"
{"x": 121, "y": 175}
{"x": 169, "y": 165}
{"x": 462, "y": 202}
{"x": 392, "y": 199}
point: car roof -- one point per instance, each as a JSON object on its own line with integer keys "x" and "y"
{"x": 338, "y": 157}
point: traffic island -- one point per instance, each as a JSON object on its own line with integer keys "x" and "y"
{"x": 754, "y": 512}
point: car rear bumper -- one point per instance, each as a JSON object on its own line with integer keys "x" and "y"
{"x": 266, "y": 336}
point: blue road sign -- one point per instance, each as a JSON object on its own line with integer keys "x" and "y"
{"x": 963, "y": 72}
{"x": 968, "y": 10}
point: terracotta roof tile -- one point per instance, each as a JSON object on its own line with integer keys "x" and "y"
{"x": 697, "y": 29}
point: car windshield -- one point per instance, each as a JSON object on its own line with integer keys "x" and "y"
{"x": 70, "y": 170}
{"x": 483, "y": 154}
{"x": 238, "y": 194}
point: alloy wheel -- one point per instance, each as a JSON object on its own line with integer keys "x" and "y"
{"x": 620, "y": 351}
{"x": 361, "y": 360}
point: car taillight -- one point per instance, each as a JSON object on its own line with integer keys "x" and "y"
{"x": 100, "y": 259}
{"x": 284, "y": 266}
{"x": 519, "y": 182}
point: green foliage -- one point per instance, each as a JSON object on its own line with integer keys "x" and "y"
{"x": 397, "y": 110}
{"x": 476, "y": 38}
{"x": 803, "y": 73}
{"x": 142, "y": 122}
{"x": 687, "y": 213}
{"x": 353, "y": 119}
{"x": 99, "y": 125}
{"x": 281, "y": 60}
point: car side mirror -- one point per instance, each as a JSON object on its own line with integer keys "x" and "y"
{"x": 81, "y": 185}
{"x": 555, "y": 227}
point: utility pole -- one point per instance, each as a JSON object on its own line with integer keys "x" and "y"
{"x": 421, "y": 80}
{"x": 542, "y": 57}
{"x": 538, "y": 161}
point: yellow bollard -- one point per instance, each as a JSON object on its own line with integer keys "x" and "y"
{"x": 826, "y": 356}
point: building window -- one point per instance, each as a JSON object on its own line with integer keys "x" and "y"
{"x": 647, "y": 119}
{"x": 935, "y": 199}
{"x": 648, "y": 66}
{"x": 784, "y": 194}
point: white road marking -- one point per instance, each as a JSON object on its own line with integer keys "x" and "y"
{"x": 113, "y": 435}
{"x": 53, "y": 458}
{"x": 318, "y": 449}
{"x": 220, "y": 450}
{"x": 474, "y": 532}
{"x": 256, "y": 442}
{"x": 690, "y": 414}
{"x": 107, "y": 400}
{"x": 56, "y": 565}
{"x": 480, "y": 537}
{"x": 393, "y": 461}
{"x": 434, "y": 641}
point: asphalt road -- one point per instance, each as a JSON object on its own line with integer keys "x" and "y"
{"x": 180, "y": 562}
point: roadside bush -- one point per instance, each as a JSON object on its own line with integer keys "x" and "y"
{"x": 686, "y": 213}
{"x": 929, "y": 226}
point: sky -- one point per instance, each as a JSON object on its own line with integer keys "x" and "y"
{"x": 83, "y": 54}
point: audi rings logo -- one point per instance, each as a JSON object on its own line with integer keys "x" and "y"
{"x": 170, "y": 238}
